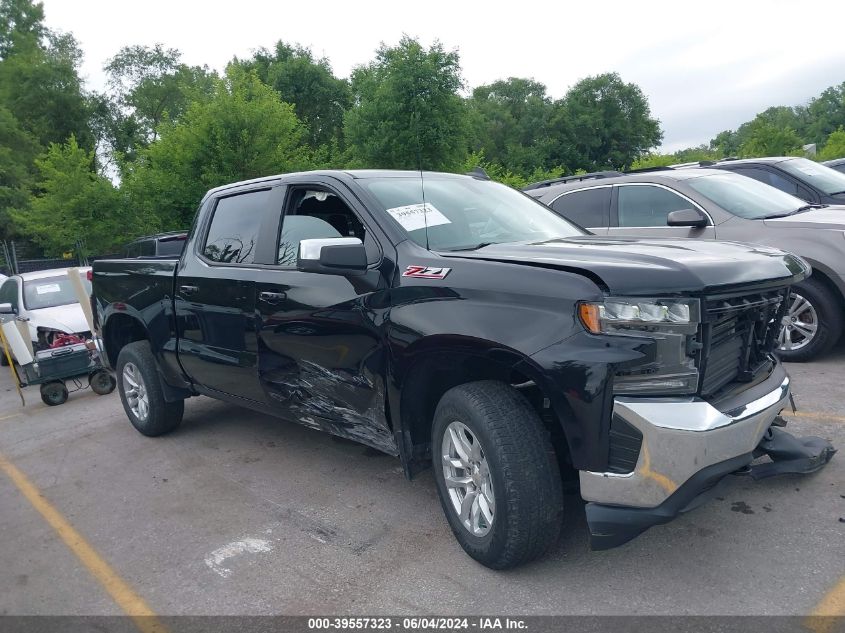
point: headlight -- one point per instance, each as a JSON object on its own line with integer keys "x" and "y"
{"x": 672, "y": 324}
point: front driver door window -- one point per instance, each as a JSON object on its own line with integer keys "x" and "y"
{"x": 643, "y": 210}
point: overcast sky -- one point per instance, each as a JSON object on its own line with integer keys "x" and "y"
{"x": 704, "y": 67}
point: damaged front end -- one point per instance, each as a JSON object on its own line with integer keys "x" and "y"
{"x": 789, "y": 454}
{"x": 684, "y": 449}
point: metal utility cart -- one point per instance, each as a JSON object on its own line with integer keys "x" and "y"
{"x": 53, "y": 368}
{"x": 73, "y": 360}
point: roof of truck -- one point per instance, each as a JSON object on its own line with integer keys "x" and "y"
{"x": 341, "y": 173}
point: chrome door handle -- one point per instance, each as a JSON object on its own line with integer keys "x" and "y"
{"x": 188, "y": 290}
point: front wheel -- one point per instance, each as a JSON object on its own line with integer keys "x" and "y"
{"x": 53, "y": 393}
{"x": 141, "y": 393}
{"x": 812, "y": 324}
{"x": 496, "y": 473}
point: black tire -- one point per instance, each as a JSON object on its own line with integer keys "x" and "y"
{"x": 102, "y": 382}
{"x": 828, "y": 323}
{"x": 161, "y": 416}
{"x": 526, "y": 483}
{"x": 53, "y": 393}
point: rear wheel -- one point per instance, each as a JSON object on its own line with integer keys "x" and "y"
{"x": 101, "y": 382}
{"x": 141, "y": 393}
{"x": 496, "y": 473}
{"x": 812, "y": 324}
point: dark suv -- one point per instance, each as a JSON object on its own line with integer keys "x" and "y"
{"x": 837, "y": 163}
{"x": 714, "y": 204}
{"x": 160, "y": 245}
{"x": 801, "y": 177}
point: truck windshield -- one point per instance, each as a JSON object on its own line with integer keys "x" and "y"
{"x": 746, "y": 197}
{"x": 49, "y": 292}
{"x": 463, "y": 213}
{"x": 821, "y": 176}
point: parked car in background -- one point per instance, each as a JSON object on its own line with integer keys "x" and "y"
{"x": 160, "y": 245}
{"x": 46, "y": 300}
{"x": 837, "y": 163}
{"x": 715, "y": 204}
{"x": 800, "y": 177}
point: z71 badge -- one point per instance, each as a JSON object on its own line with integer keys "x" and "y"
{"x": 426, "y": 272}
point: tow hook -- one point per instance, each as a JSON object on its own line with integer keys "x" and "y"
{"x": 789, "y": 454}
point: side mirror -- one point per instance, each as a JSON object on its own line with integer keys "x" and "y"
{"x": 6, "y": 308}
{"x": 332, "y": 256}
{"x": 687, "y": 217}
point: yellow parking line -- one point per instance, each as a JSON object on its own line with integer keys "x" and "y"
{"x": 818, "y": 416}
{"x": 830, "y": 611}
{"x": 11, "y": 415}
{"x": 131, "y": 603}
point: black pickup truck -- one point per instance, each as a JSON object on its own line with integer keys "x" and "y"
{"x": 454, "y": 322}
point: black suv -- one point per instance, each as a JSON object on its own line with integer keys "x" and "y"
{"x": 814, "y": 182}
{"x": 837, "y": 163}
{"x": 160, "y": 245}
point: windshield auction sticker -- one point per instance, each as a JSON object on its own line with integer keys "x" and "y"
{"x": 413, "y": 217}
{"x": 47, "y": 288}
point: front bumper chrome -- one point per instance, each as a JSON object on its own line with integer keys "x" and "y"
{"x": 681, "y": 437}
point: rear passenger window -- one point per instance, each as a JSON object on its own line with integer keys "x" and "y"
{"x": 147, "y": 248}
{"x": 646, "y": 205}
{"x": 587, "y": 208}
{"x": 235, "y": 226}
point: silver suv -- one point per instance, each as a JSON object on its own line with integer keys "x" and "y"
{"x": 715, "y": 204}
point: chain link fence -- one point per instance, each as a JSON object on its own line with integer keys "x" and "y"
{"x": 20, "y": 257}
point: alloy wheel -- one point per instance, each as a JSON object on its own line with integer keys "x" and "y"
{"x": 468, "y": 480}
{"x": 135, "y": 391}
{"x": 799, "y": 325}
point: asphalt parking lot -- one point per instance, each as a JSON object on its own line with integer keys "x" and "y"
{"x": 238, "y": 513}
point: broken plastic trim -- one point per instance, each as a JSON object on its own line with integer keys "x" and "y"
{"x": 612, "y": 526}
{"x": 790, "y": 454}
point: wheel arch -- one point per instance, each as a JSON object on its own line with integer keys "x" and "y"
{"x": 827, "y": 277}
{"x": 431, "y": 366}
{"x": 118, "y": 331}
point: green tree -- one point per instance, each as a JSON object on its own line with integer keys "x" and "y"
{"x": 148, "y": 85}
{"x": 21, "y": 26}
{"x": 834, "y": 146}
{"x": 72, "y": 202}
{"x": 510, "y": 123}
{"x": 609, "y": 122}
{"x": 242, "y": 131}
{"x": 826, "y": 113}
{"x": 733, "y": 143}
{"x": 648, "y": 161}
{"x": 767, "y": 139}
{"x": 40, "y": 86}
{"x": 319, "y": 98}
{"x": 17, "y": 153}
{"x": 408, "y": 113}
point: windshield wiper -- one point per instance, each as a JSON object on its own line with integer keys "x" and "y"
{"x": 471, "y": 248}
{"x": 806, "y": 207}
